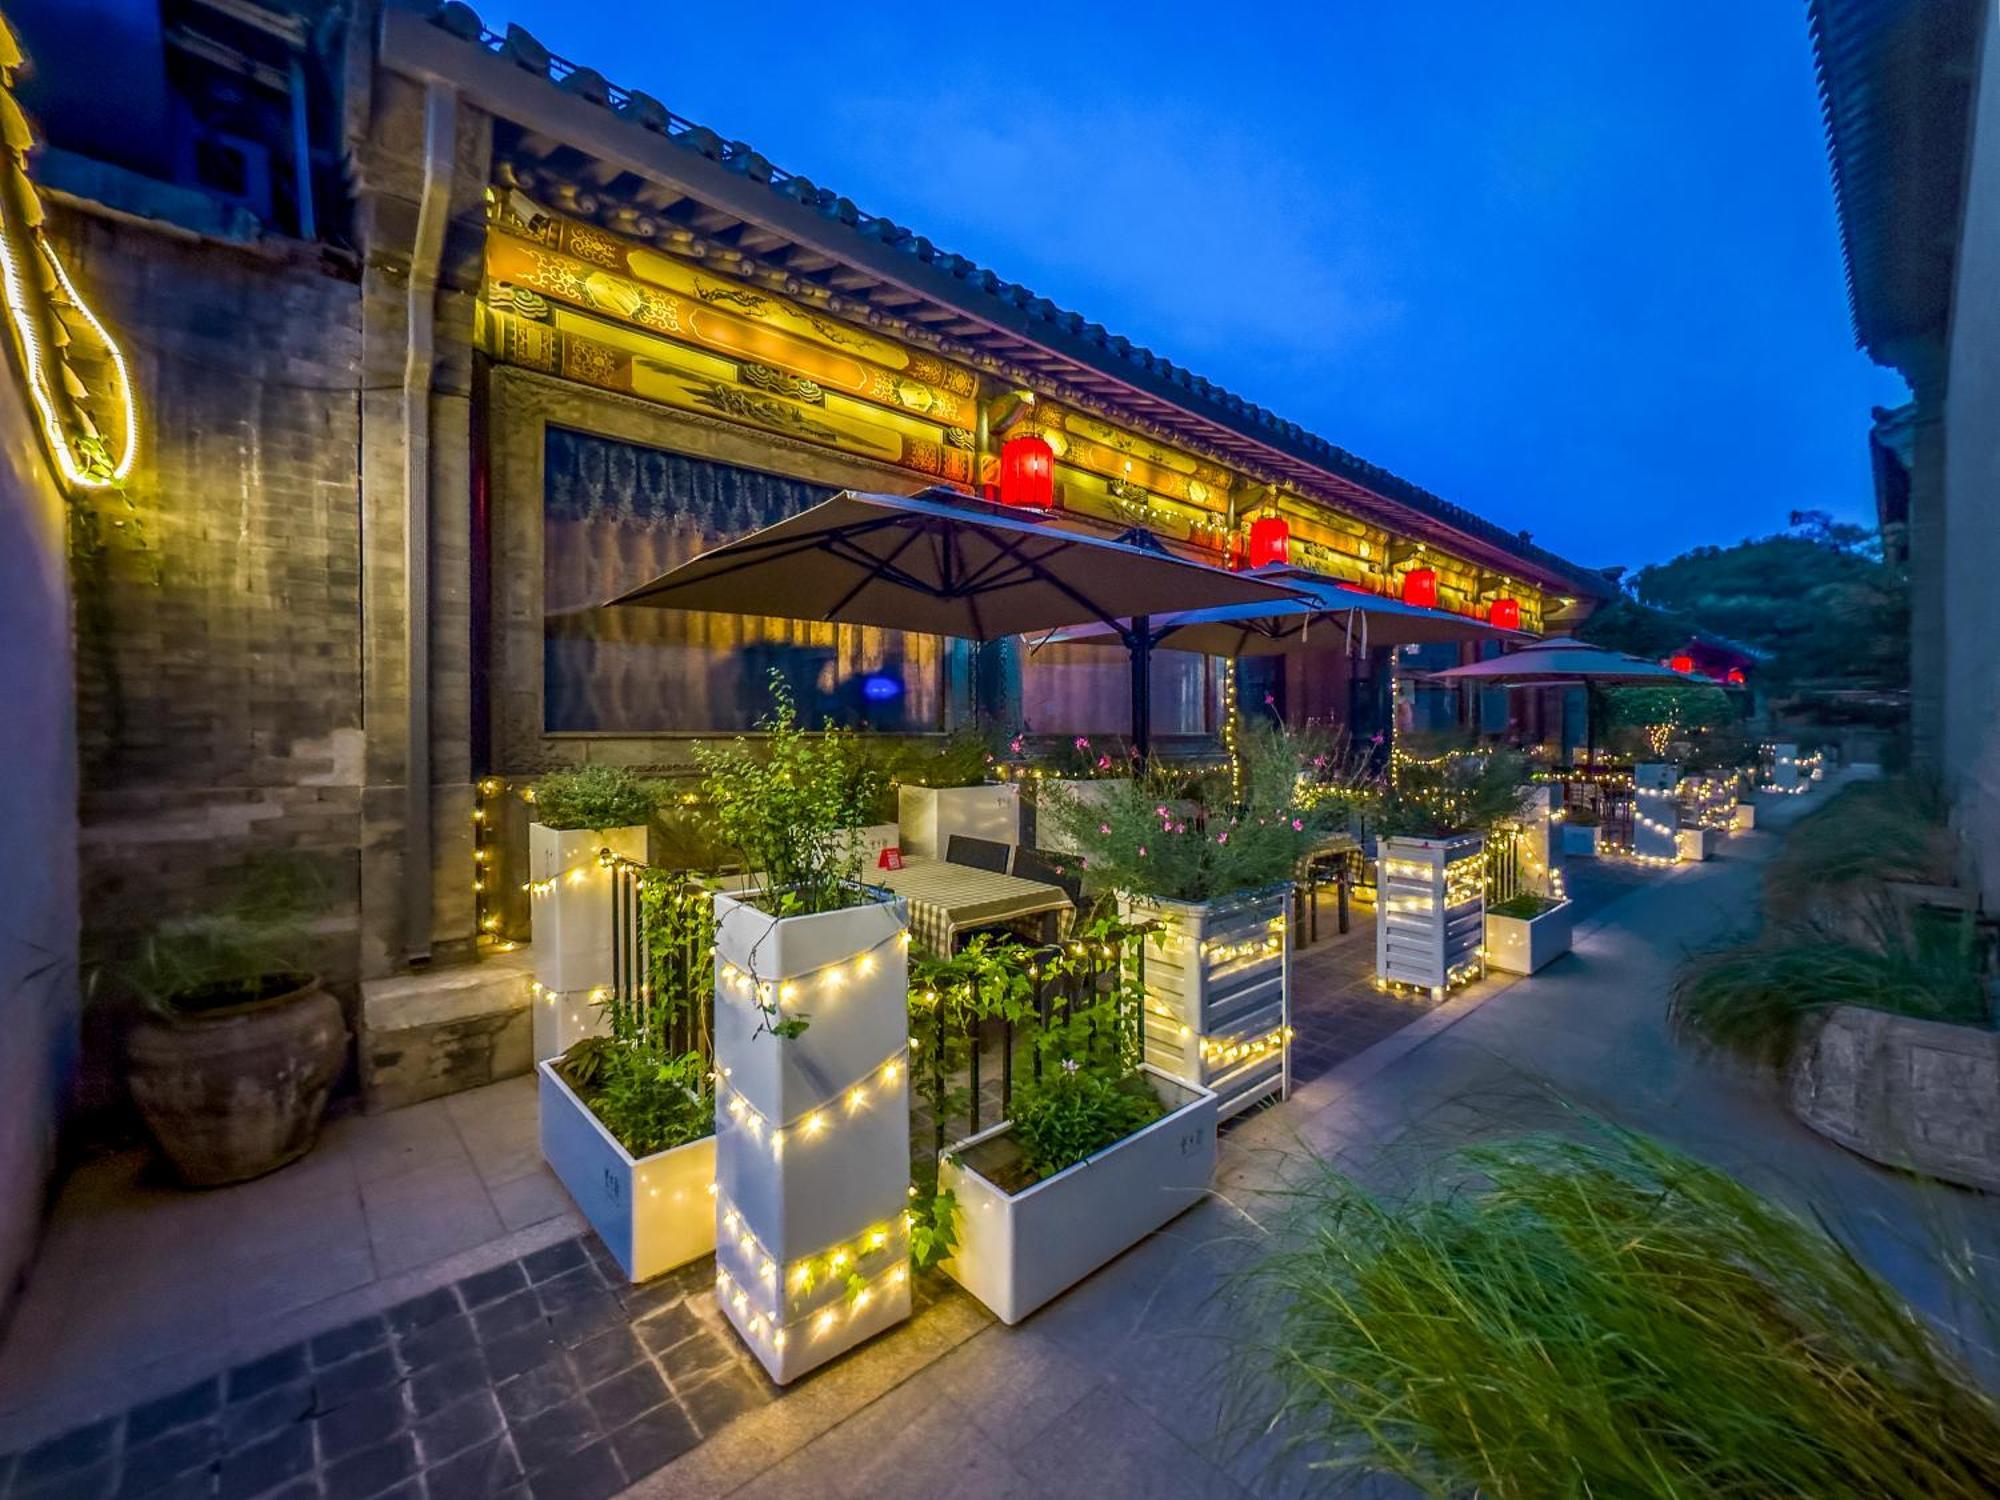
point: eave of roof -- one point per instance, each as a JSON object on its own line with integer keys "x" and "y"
{"x": 1895, "y": 85}
{"x": 621, "y": 132}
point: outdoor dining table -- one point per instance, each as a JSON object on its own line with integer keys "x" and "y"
{"x": 947, "y": 900}
{"x": 1335, "y": 849}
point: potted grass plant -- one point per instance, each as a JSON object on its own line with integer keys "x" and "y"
{"x": 946, "y": 789}
{"x": 584, "y": 819}
{"x": 1213, "y": 875}
{"x": 1098, "y": 1149}
{"x": 628, "y": 1117}
{"x": 237, "y": 1044}
{"x": 811, "y": 1048}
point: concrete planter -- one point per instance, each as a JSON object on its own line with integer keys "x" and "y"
{"x": 653, "y": 1213}
{"x": 1526, "y": 945}
{"x": 812, "y": 1158}
{"x": 1218, "y": 993}
{"x": 929, "y": 815}
{"x": 570, "y": 893}
{"x": 1692, "y": 845}
{"x": 1581, "y": 839}
{"x": 1016, "y": 1251}
{"x": 1430, "y": 910}
{"x": 1920, "y": 1095}
{"x": 1090, "y": 793}
{"x": 1746, "y": 818}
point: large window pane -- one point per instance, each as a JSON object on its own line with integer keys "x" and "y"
{"x": 617, "y": 514}
{"x": 1088, "y": 690}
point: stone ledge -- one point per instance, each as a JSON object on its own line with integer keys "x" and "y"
{"x": 440, "y": 1032}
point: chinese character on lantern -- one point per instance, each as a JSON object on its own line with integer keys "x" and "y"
{"x": 1028, "y": 472}
{"x": 1505, "y": 614}
{"x": 1270, "y": 540}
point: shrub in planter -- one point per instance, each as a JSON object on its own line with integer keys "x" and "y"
{"x": 812, "y": 1036}
{"x": 237, "y": 1046}
{"x": 1602, "y": 1317}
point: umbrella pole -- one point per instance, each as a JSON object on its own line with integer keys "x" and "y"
{"x": 1139, "y": 641}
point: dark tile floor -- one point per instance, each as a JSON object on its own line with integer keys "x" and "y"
{"x": 546, "y": 1376}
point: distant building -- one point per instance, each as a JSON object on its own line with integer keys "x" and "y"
{"x": 1911, "y": 96}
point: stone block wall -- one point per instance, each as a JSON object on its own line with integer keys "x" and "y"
{"x": 220, "y": 662}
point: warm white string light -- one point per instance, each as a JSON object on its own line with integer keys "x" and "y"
{"x": 814, "y": 1124}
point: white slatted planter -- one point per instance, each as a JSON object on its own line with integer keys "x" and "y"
{"x": 1016, "y": 1251}
{"x": 1218, "y": 993}
{"x": 653, "y": 1213}
{"x": 929, "y": 815}
{"x": 812, "y": 1159}
{"x": 1430, "y": 910}
{"x": 1525, "y": 945}
{"x": 570, "y": 902}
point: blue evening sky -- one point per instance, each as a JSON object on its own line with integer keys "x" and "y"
{"x": 1570, "y": 263}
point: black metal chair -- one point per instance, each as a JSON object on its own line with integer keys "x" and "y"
{"x": 1062, "y": 870}
{"x": 978, "y": 854}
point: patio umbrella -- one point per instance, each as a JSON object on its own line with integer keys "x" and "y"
{"x": 952, "y": 566}
{"x": 1562, "y": 662}
{"x": 1361, "y": 618}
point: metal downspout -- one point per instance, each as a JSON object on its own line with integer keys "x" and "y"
{"x": 419, "y": 359}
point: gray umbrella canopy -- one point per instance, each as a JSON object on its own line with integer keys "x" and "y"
{"x": 1565, "y": 662}
{"x": 960, "y": 568}
{"x": 1324, "y": 614}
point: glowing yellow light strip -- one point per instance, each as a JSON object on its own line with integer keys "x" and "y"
{"x": 814, "y": 1123}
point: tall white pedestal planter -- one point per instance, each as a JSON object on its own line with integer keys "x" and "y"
{"x": 1430, "y": 910}
{"x": 1656, "y": 816}
{"x": 653, "y": 1213}
{"x": 1048, "y": 835}
{"x": 812, "y": 1159}
{"x": 1219, "y": 995}
{"x": 1784, "y": 767}
{"x": 1540, "y": 844}
{"x": 929, "y": 815}
{"x": 570, "y": 891}
{"x": 1018, "y": 1250}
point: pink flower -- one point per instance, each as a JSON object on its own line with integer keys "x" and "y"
{"x": 1375, "y": 738}
{"x": 1270, "y": 700}
{"x": 1142, "y": 851}
{"x": 1014, "y": 746}
{"x": 1297, "y": 826}
{"x": 1222, "y": 838}
{"x": 1103, "y": 762}
{"x": 1104, "y": 828}
{"x": 1082, "y": 743}
{"x": 989, "y": 757}
{"x": 1162, "y": 812}
{"x": 1180, "y": 828}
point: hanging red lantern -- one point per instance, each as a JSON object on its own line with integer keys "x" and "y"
{"x": 1420, "y": 586}
{"x": 1735, "y": 678}
{"x": 1028, "y": 472}
{"x": 1505, "y": 614}
{"x": 1270, "y": 540}
{"x": 1681, "y": 663}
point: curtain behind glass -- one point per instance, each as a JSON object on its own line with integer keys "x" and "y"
{"x": 1088, "y": 690}
{"x": 616, "y": 515}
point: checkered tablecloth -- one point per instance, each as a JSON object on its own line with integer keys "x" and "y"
{"x": 947, "y": 899}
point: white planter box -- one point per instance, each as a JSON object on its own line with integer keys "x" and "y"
{"x": 1092, "y": 793}
{"x": 1746, "y": 817}
{"x": 1017, "y": 1251}
{"x": 570, "y": 902}
{"x": 1218, "y": 993}
{"x": 1430, "y": 911}
{"x": 1691, "y": 845}
{"x": 1581, "y": 839}
{"x": 812, "y": 1132}
{"x": 1526, "y": 945}
{"x": 654, "y": 1213}
{"x": 929, "y": 815}
{"x": 1784, "y": 767}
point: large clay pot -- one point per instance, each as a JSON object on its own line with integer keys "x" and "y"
{"x": 237, "y": 1090}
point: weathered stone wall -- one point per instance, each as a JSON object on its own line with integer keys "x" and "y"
{"x": 38, "y": 975}
{"x": 220, "y": 703}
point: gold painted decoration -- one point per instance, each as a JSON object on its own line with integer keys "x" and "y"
{"x": 76, "y": 376}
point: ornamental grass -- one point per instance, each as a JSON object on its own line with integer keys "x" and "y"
{"x": 1608, "y": 1318}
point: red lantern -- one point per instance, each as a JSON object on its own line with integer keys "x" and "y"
{"x": 1270, "y": 540}
{"x": 1505, "y": 614}
{"x": 1420, "y": 586}
{"x": 1682, "y": 663}
{"x": 1028, "y": 472}
{"x": 1735, "y": 678}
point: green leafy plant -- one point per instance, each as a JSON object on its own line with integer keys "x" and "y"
{"x": 1144, "y": 836}
{"x": 1753, "y": 999}
{"x": 254, "y": 944}
{"x": 650, "y": 1099}
{"x": 1525, "y": 907}
{"x": 595, "y": 797}
{"x": 1596, "y": 1318}
{"x": 1454, "y": 793}
{"x": 1079, "y": 757}
{"x": 788, "y": 809}
{"x": 1076, "y": 1111}
{"x": 933, "y": 1226}
{"x": 960, "y": 759}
